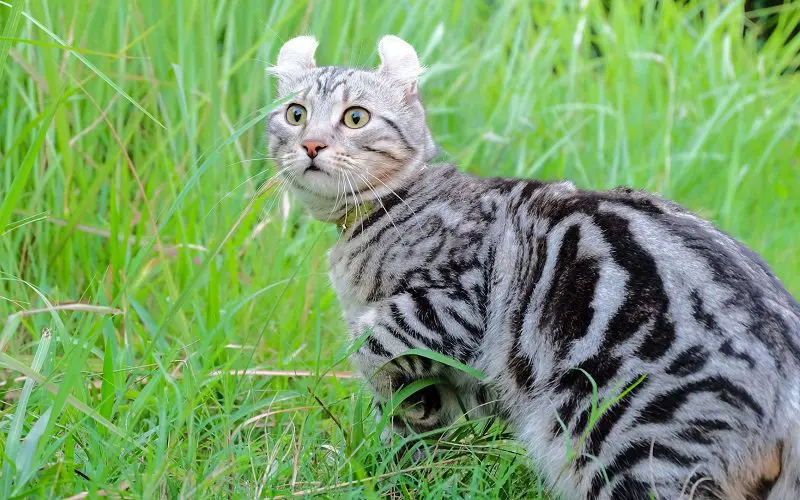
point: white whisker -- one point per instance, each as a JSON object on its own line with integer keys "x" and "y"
{"x": 245, "y": 181}
{"x": 352, "y": 192}
{"x": 366, "y": 171}
{"x": 378, "y": 198}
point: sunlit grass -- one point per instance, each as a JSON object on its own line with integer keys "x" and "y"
{"x": 140, "y": 271}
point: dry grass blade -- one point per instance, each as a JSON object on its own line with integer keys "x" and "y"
{"x": 169, "y": 250}
{"x": 256, "y": 372}
{"x": 123, "y": 486}
{"x": 72, "y": 306}
{"x": 268, "y": 414}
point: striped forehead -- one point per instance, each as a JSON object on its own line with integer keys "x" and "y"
{"x": 346, "y": 84}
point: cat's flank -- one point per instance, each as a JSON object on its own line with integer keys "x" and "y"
{"x": 537, "y": 285}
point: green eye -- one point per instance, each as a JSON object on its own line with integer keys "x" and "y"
{"x": 355, "y": 117}
{"x": 296, "y": 114}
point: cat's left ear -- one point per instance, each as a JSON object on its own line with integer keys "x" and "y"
{"x": 399, "y": 62}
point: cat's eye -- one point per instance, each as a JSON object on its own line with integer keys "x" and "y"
{"x": 296, "y": 114}
{"x": 355, "y": 117}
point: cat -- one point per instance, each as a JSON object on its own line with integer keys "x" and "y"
{"x": 541, "y": 286}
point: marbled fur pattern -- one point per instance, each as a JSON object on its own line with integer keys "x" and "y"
{"x": 536, "y": 283}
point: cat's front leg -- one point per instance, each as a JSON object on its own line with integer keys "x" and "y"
{"x": 400, "y": 432}
{"x": 392, "y": 376}
{"x": 432, "y": 411}
{"x": 413, "y": 320}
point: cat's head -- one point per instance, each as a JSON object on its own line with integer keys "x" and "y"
{"x": 347, "y": 134}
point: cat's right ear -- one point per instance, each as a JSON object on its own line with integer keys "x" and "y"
{"x": 296, "y": 56}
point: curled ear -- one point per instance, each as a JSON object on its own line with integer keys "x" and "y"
{"x": 399, "y": 62}
{"x": 296, "y": 56}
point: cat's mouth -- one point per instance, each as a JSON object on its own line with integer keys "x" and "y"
{"x": 312, "y": 167}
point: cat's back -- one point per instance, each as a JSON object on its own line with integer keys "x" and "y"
{"x": 599, "y": 291}
{"x": 655, "y": 241}
{"x": 606, "y": 268}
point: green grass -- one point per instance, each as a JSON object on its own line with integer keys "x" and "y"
{"x": 131, "y": 148}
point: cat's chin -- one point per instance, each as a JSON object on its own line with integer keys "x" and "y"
{"x": 322, "y": 201}
{"x": 318, "y": 183}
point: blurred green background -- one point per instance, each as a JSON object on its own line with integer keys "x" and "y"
{"x": 139, "y": 271}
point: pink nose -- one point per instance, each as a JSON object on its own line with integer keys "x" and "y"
{"x": 313, "y": 148}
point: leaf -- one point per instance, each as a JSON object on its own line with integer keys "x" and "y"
{"x": 23, "y": 172}
{"x": 441, "y": 358}
{"x": 351, "y": 348}
{"x": 12, "y": 323}
{"x": 25, "y": 457}
{"x": 9, "y": 31}
{"x": 11, "y": 226}
{"x": 107, "y": 386}
{"x": 357, "y": 432}
{"x": 407, "y": 390}
{"x": 9, "y": 362}
{"x": 39, "y": 43}
{"x": 18, "y": 420}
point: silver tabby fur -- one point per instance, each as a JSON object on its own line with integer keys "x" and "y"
{"x": 538, "y": 284}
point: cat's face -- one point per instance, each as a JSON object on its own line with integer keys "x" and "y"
{"x": 347, "y": 133}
